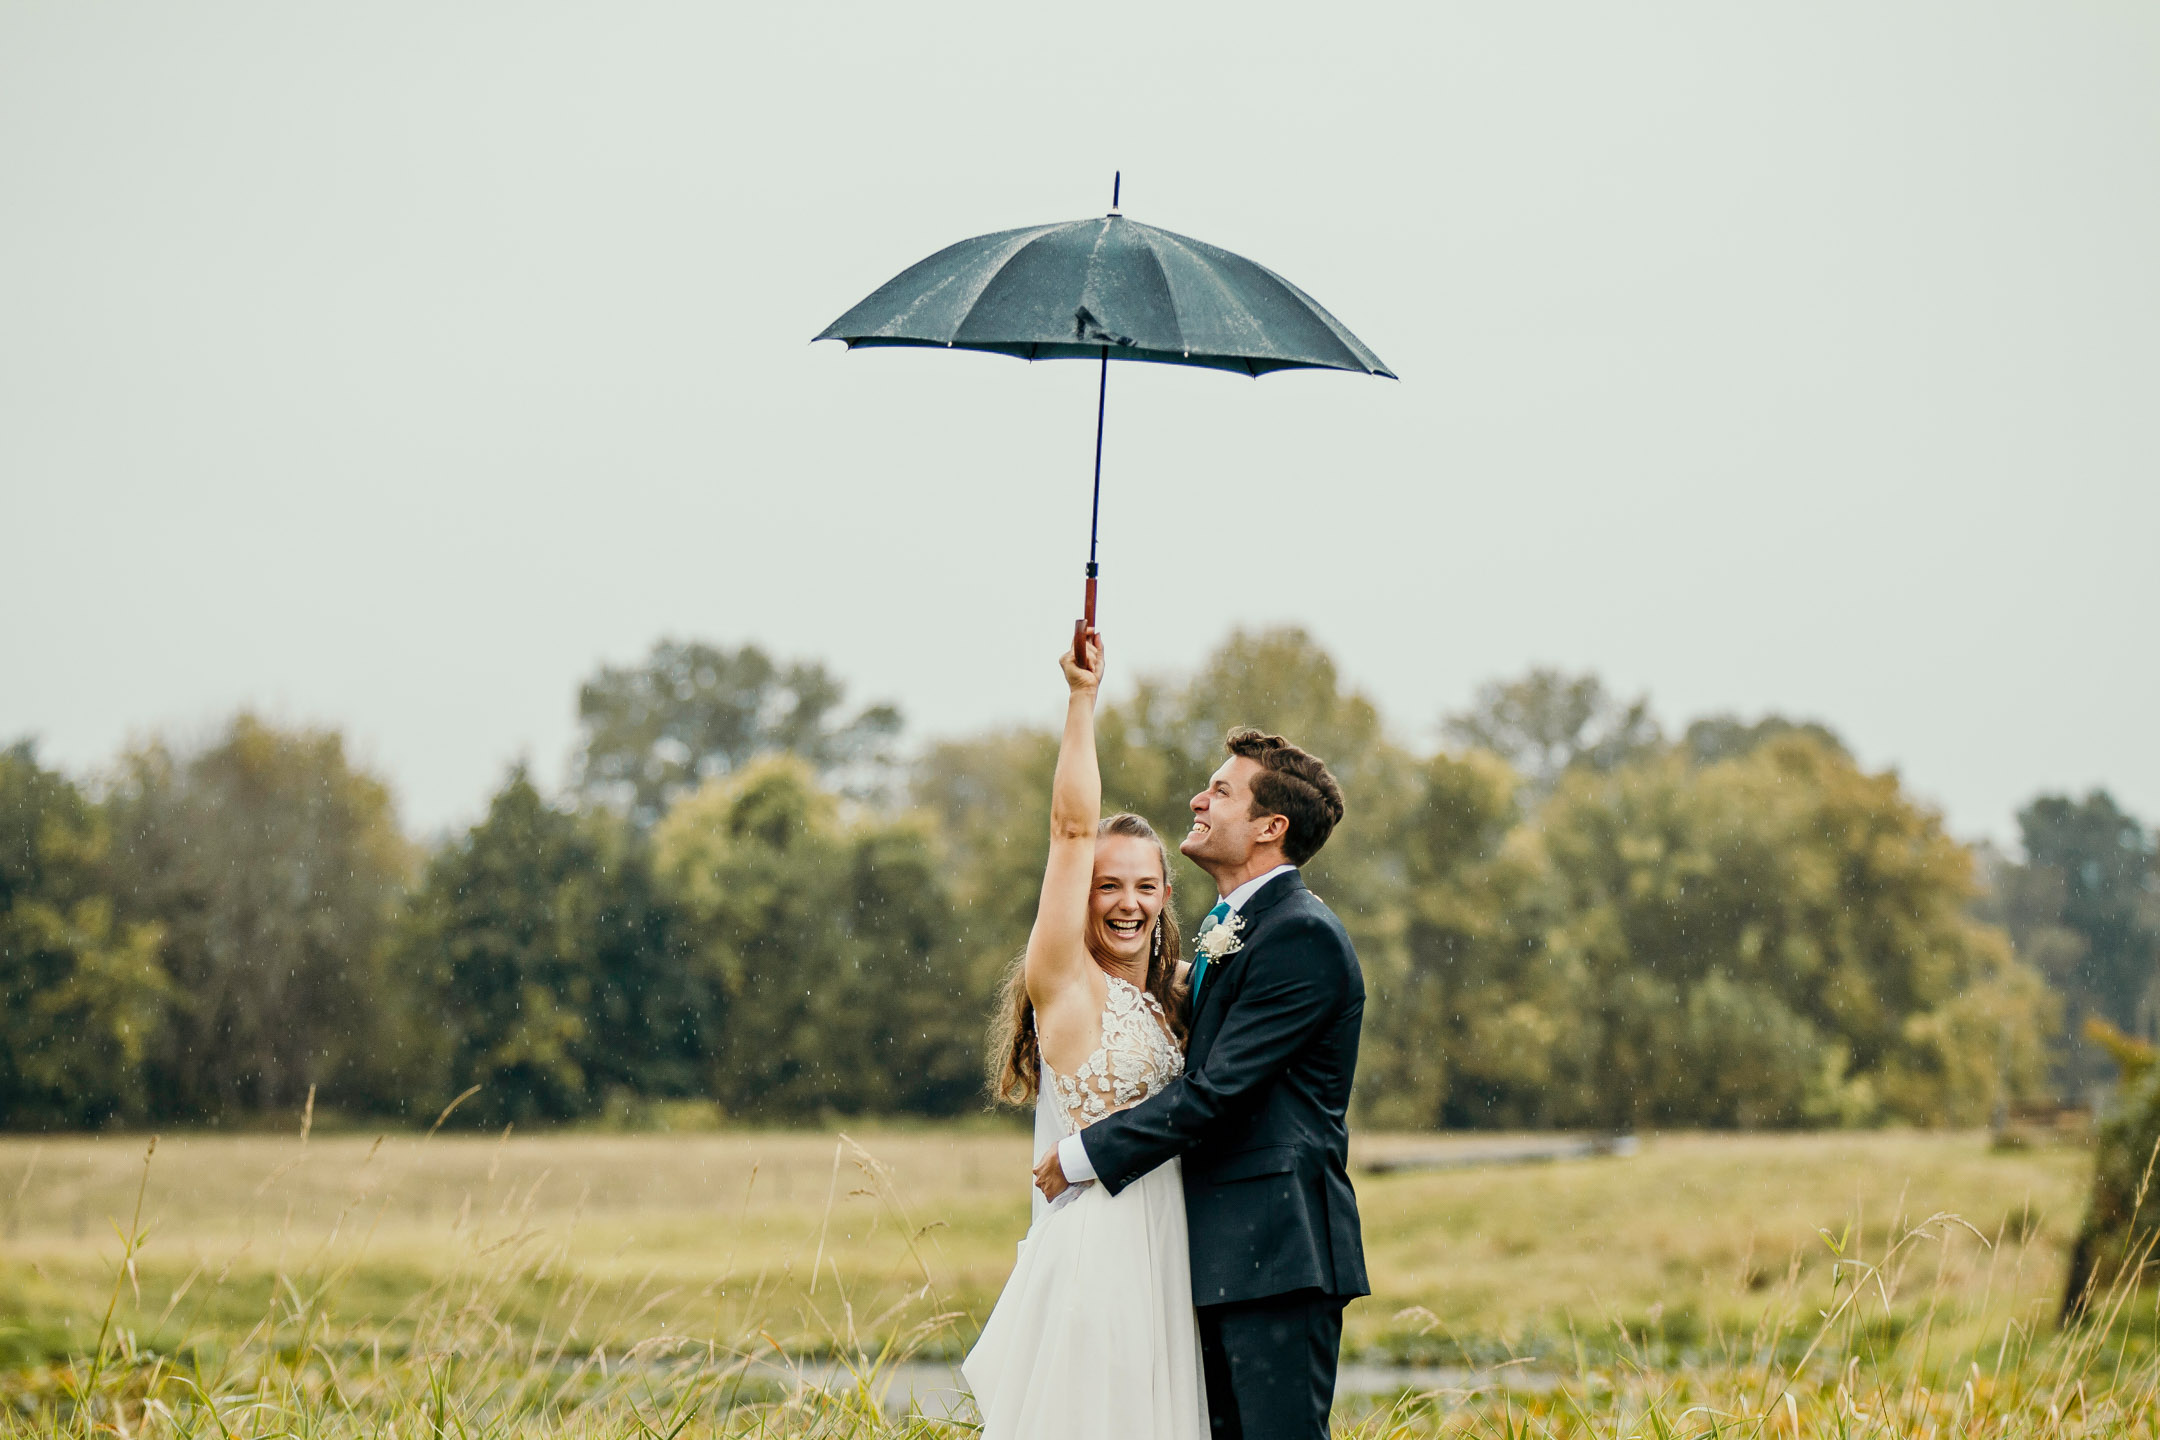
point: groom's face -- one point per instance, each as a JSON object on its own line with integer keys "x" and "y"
{"x": 1224, "y": 829}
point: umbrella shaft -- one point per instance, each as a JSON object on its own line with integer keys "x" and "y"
{"x": 1087, "y": 623}
{"x": 1102, "y": 398}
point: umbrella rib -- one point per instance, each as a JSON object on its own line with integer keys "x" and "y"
{"x": 1162, "y": 271}
{"x": 1041, "y": 234}
{"x": 1208, "y": 266}
{"x": 1213, "y": 260}
{"x": 899, "y": 319}
{"x": 1362, "y": 358}
{"x": 1350, "y": 352}
{"x": 1208, "y": 256}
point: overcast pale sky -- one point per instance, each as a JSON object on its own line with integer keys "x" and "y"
{"x": 391, "y": 366}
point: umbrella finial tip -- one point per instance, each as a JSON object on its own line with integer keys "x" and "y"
{"x": 1117, "y": 185}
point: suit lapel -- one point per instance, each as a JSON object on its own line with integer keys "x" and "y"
{"x": 1266, "y": 898}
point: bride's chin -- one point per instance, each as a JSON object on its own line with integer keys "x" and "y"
{"x": 1121, "y": 951}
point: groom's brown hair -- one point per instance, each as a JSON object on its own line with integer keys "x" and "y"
{"x": 1294, "y": 784}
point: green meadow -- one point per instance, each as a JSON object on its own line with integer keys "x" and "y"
{"x": 705, "y": 1282}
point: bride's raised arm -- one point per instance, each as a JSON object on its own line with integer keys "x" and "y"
{"x": 1057, "y": 954}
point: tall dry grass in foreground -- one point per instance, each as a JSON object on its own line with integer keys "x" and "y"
{"x": 514, "y": 1324}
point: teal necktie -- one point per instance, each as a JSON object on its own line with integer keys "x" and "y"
{"x": 1215, "y": 917}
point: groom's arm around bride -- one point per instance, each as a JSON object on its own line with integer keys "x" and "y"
{"x": 1260, "y": 1115}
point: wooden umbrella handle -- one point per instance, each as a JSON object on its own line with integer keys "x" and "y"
{"x": 1082, "y": 626}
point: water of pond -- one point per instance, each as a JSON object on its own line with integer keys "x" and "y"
{"x": 938, "y": 1389}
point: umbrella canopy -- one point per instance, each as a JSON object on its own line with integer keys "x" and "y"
{"x": 1107, "y": 287}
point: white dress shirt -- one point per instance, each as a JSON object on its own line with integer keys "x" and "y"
{"x": 1072, "y": 1155}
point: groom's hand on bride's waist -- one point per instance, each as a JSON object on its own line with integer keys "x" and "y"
{"x": 1050, "y": 1175}
{"x": 1066, "y": 1167}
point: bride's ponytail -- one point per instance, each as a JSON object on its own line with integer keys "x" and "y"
{"x": 1015, "y": 1057}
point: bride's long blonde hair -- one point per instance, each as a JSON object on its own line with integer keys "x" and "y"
{"x": 1015, "y": 1057}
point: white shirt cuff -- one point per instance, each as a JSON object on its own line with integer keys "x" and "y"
{"x": 1073, "y": 1160}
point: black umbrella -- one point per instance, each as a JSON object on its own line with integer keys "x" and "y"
{"x": 1105, "y": 289}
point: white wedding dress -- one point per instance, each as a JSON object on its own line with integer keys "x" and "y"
{"x": 1094, "y": 1336}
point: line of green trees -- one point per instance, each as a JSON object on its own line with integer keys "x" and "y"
{"x": 746, "y": 897}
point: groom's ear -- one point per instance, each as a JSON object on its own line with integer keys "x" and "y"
{"x": 1273, "y": 829}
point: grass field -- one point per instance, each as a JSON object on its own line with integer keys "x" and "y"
{"x": 557, "y": 1279}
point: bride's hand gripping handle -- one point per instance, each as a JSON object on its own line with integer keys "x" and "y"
{"x": 1087, "y": 676}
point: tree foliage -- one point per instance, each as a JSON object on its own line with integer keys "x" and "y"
{"x": 2092, "y": 875}
{"x": 1728, "y": 737}
{"x": 1742, "y": 929}
{"x": 832, "y": 943}
{"x": 990, "y": 805}
{"x": 1775, "y": 939}
{"x": 552, "y": 966}
{"x": 273, "y": 869}
{"x": 691, "y": 712}
{"x": 1563, "y": 918}
{"x": 83, "y": 1002}
{"x": 1546, "y": 723}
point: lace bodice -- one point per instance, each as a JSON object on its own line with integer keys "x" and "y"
{"x": 1135, "y": 1058}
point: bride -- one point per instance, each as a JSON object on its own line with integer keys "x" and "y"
{"x": 1094, "y": 1336}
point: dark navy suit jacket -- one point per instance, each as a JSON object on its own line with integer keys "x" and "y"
{"x": 1261, "y": 1113}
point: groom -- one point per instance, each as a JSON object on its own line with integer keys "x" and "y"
{"x": 1259, "y": 1114}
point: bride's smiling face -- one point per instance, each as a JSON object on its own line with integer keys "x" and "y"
{"x": 1128, "y": 894}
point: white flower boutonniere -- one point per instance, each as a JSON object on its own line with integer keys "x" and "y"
{"x": 1221, "y": 940}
